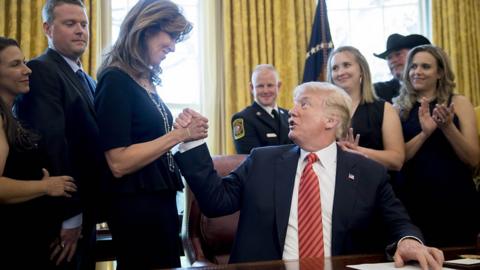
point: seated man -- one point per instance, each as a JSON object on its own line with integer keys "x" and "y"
{"x": 396, "y": 55}
{"x": 311, "y": 199}
{"x": 263, "y": 123}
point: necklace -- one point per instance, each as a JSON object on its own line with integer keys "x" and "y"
{"x": 163, "y": 112}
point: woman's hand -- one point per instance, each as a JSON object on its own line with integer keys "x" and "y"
{"x": 427, "y": 122}
{"x": 58, "y": 185}
{"x": 195, "y": 125}
{"x": 443, "y": 115}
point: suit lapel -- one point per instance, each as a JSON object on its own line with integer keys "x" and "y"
{"x": 74, "y": 81}
{"x": 265, "y": 117}
{"x": 344, "y": 200}
{"x": 285, "y": 170}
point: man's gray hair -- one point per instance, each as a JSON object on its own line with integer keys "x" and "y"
{"x": 336, "y": 102}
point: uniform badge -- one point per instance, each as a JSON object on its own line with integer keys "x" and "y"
{"x": 238, "y": 129}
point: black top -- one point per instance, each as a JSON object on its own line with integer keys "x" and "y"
{"x": 127, "y": 115}
{"x": 255, "y": 127}
{"x": 438, "y": 190}
{"x": 367, "y": 121}
{"x": 387, "y": 90}
{"x": 27, "y": 229}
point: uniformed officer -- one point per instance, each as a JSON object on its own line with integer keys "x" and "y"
{"x": 263, "y": 123}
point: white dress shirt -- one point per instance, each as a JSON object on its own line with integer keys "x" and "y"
{"x": 325, "y": 169}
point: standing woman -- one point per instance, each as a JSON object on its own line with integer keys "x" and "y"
{"x": 136, "y": 135}
{"x": 30, "y": 217}
{"x": 441, "y": 149}
{"x": 375, "y": 121}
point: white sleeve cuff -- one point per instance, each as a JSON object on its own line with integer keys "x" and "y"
{"x": 184, "y": 147}
{"x": 409, "y": 237}
{"x": 73, "y": 222}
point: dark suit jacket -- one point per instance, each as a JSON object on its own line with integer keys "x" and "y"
{"x": 59, "y": 109}
{"x": 387, "y": 90}
{"x": 260, "y": 129}
{"x": 261, "y": 188}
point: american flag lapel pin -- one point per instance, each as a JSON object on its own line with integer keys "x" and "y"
{"x": 351, "y": 177}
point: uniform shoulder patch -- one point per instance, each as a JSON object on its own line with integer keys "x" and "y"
{"x": 238, "y": 129}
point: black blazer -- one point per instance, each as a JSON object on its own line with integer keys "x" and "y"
{"x": 261, "y": 188}
{"x": 387, "y": 90}
{"x": 259, "y": 128}
{"x": 59, "y": 109}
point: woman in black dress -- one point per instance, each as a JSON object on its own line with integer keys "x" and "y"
{"x": 441, "y": 149}
{"x": 136, "y": 134}
{"x": 30, "y": 217}
{"x": 375, "y": 123}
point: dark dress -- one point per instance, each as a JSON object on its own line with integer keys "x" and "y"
{"x": 367, "y": 121}
{"x": 27, "y": 229}
{"x": 142, "y": 214}
{"x": 438, "y": 190}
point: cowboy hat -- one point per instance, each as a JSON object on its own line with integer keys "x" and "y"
{"x": 397, "y": 42}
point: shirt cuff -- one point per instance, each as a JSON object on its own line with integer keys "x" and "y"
{"x": 409, "y": 237}
{"x": 73, "y": 222}
{"x": 184, "y": 147}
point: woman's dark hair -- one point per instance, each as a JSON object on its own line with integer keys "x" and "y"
{"x": 146, "y": 18}
{"x": 17, "y": 136}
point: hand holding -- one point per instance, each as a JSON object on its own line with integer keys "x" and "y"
{"x": 183, "y": 120}
{"x": 66, "y": 245}
{"x": 197, "y": 127}
{"x": 426, "y": 121}
{"x": 412, "y": 250}
{"x": 58, "y": 185}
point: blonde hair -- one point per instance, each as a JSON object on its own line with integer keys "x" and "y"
{"x": 366, "y": 87}
{"x": 336, "y": 102}
{"x": 445, "y": 85}
{"x": 146, "y": 18}
{"x": 263, "y": 67}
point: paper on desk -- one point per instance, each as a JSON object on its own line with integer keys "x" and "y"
{"x": 386, "y": 266}
{"x": 464, "y": 261}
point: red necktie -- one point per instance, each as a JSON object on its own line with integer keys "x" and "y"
{"x": 310, "y": 229}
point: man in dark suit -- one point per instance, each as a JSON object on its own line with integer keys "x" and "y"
{"x": 263, "y": 123}
{"x": 354, "y": 191}
{"x": 60, "y": 107}
{"x": 396, "y": 55}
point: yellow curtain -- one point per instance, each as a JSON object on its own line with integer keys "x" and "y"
{"x": 22, "y": 20}
{"x": 456, "y": 29}
{"x": 259, "y": 32}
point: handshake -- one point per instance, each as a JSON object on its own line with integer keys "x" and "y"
{"x": 193, "y": 125}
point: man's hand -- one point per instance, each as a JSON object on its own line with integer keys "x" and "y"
{"x": 412, "y": 250}
{"x": 66, "y": 245}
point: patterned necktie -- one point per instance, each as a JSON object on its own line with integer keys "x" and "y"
{"x": 86, "y": 87}
{"x": 310, "y": 229}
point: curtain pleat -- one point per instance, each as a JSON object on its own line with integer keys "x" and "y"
{"x": 456, "y": 29}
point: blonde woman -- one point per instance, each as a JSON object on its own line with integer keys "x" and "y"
{"x": 375, "y": 124}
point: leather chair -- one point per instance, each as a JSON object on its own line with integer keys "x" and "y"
{"x": 208, "y": 241}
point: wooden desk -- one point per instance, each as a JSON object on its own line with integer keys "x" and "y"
{"x": 334, "y": 263}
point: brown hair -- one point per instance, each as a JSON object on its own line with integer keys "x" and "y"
{"x": 445, "y": 85}
{"x": 146, "y": 18}
{"x": 17, "y": 136}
